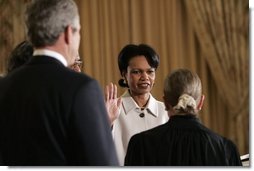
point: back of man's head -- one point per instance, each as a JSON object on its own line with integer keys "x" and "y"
{"x": 47, "y": 19}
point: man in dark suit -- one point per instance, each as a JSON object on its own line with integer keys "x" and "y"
{"x": 50, "y": 114}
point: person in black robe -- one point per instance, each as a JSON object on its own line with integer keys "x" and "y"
{"x": 183, "y": 140}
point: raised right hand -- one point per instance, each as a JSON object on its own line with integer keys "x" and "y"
{"x": 112, "y": 102}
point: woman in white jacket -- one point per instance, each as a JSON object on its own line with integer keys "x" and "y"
{"x": 137, "y": 109}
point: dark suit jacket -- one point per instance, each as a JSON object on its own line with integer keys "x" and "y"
{"x": 182, "y": 141}
{"x": 51, "y": 115}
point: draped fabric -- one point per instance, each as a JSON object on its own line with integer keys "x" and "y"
{"x": 107, "y": 26}
{"x": 222, "y": 30}
{"x": 209, "y": 37}
{"x": 12, "y": 28}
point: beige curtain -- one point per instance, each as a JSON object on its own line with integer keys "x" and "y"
{"x": 222, "y": 30}
{"x": 12, "y": 28}
{"x": 172, "y": 27}
{"x": 108, "y": 25}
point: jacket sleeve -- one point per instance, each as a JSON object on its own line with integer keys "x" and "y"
{"x": 90, "y": 134}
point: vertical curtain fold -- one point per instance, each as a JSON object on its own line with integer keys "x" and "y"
{"x": 11, "y": 21}
{"x": 221, "y": 29}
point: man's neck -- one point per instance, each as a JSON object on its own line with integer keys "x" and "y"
{"x": 50, "y": 53}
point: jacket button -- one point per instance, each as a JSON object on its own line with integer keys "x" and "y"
{"x": 141, "y": 115}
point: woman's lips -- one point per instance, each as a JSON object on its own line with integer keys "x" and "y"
{"x": 143, "y": 85}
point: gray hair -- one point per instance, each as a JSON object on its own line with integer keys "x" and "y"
{"x": 47, "y": 19}
{"x": 179, "y": 83}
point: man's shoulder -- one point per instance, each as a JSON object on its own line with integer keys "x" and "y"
{"x": 80, "y": 77}
{"x": 77, "y": 80}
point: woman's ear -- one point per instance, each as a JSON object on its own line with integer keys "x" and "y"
{"x": 201, "y": 102}
{"x": 124, "y": 77}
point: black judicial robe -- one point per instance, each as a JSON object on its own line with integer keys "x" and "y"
{"x": 182, "y": 141}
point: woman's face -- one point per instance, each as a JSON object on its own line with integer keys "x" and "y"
{"x": 140, "y": 76}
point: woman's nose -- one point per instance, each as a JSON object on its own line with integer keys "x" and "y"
{"x": 144, "y": 76}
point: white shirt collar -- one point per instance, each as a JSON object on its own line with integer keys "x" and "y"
{"x": 130, "y": 104}
{"x": 52, "y": 54}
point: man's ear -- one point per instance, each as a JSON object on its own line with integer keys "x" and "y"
{"x": 68, "y": 34}
{"x": 201, "y": 102}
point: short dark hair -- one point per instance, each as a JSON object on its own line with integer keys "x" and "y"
{"x": 132, "y": 50}
{"x": 20, "y": 55}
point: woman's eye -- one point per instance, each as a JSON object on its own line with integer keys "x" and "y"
{"x": 136, "y": 72}
{"x": 150, "y": 72}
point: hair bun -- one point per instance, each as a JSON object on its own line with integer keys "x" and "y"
{"x": 185, "y": 101}
{"x": 122, "y": 83}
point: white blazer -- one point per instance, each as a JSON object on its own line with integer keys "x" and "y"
{"x": 133, "y": 120}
